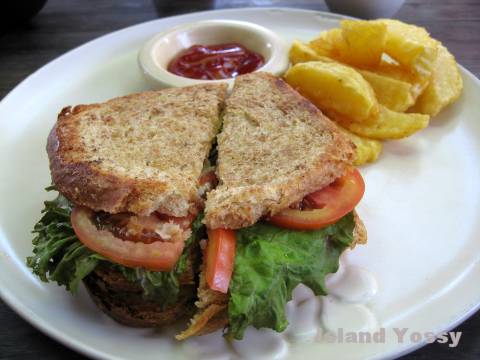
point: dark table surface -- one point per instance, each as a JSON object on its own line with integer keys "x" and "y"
{"x": 64, "y": 25}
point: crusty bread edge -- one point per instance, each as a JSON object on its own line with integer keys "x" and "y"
{"x": 85, "y": 184}
{"x": 147, "y": 318}
{"x": 240, "y": 207}
{"x": 234, "y": 208}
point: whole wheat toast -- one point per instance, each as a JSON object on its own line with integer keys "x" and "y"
{"x": 275, "y": 147}
{"x": 138, "y": 153}
{"x": 124, "y": 301}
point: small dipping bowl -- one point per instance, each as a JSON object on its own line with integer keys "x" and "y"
{"x": 160, "y": 50}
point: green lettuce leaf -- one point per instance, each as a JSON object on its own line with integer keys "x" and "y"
{"x": 270, "y": 262}
{"x": 59, "y": 256}
{"x": 162, "y": 286}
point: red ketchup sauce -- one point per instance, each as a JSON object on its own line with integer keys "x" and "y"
{"x": 215, "y": 62}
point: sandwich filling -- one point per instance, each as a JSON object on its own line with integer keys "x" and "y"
{"x": 269, "y": 264}
{"x": 146, "y": 241}
{"x": 60, "y": 256}
{"x": 253, "y": 278}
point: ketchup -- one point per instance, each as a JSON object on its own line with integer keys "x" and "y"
{"x": 215, "y": 62}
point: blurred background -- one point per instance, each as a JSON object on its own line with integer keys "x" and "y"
{"x": 34, "y": 32}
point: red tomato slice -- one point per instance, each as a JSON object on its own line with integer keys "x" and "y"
{"x": 156, "y": 256}
{"x": 326, "y": 206}
{"x": 220, "y": 258}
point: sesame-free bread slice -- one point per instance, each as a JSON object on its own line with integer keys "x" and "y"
{"x": 138, "y": 153}
{"x": 275, "y": 147}
{"x": 125, "y": 302}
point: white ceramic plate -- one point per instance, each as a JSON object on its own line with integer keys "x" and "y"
{"x": 421, "y": 205}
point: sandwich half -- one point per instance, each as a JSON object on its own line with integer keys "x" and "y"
{"x": 283, "y": 211}
{"x": 127, "y": 220}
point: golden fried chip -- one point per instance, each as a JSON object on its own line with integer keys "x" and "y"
{"x": 367, "y": 150}
{"x": 365, "y": 41}
{"x": 388, "y": 125}
{"x": 300, "y": 52}
{"x": 418, "y": 83}
{"x": 335, "y": 87}
{"x": 394, "y": 94}
{"x": 406, "y": 52}
{"x": 411, "y": 46}
{"x": 330, "y": 44}
{"x": 445, "y": 86}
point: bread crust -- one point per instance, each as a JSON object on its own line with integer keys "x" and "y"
{"x": 124, "y": 302}
{"x": 275, "y": 148}
{"x": 211, "y": 308}
{"x": 79, "y": 171}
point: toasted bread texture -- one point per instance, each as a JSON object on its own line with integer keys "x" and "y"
{"x": 275, "y": 147}
{"x": 138, "y": 153}
{"x": 212, "y": 306}
{"x": 123, "y": 301}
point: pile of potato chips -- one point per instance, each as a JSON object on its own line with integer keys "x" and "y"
{"x": 379, "y": 79}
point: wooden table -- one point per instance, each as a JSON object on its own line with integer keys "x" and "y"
{"x": 64, "y": 25}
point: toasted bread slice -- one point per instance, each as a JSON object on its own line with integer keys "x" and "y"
{"x": 275, "y": 148}
{"x": 138, "y": 153}
{"x": 212, "y": 306}
{"x": 124, "y": 302}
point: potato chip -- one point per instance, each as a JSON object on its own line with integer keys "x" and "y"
{"x": 300, "y": 52}
{"x": 418, "y": 83}
{"x": 388, "y": 125}
{"x": 367, "y": 150}
{"x": 331, "y": 44}
{"x": 404, "y": 68}
{"x": 445, "y": 86}
{"x": 394, "y": 94}
{"x": 364, "y": 41}
{"x": 336, "y": 87}
{"x": 411, "y": 46}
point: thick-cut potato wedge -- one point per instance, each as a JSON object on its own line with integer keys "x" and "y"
{"x": 411, "y": 46}
{"x": 300, "y": 52}
{"x": 445, "y": 86}
{"x": 418, "y": 83}
{"x": 394, "y": 94}
{"x": 366, "y": 150}
{"x": 331, "y": 44}
{"x": 334, "y": 87}
{"x": 365, "y": 41}
{"x": 388, "y": 125}
{"x": 357, "y": 43}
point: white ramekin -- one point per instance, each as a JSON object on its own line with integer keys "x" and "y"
{"x": 156, "y": 54}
